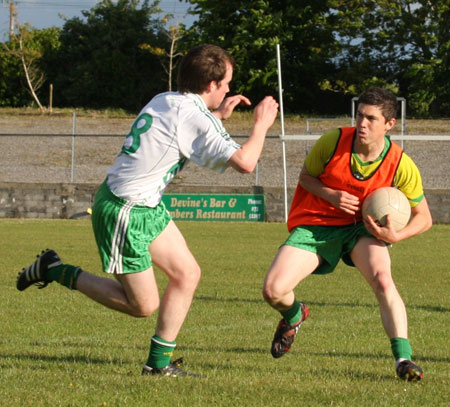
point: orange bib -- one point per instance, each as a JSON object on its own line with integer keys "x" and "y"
{"x": 309, "y": 209}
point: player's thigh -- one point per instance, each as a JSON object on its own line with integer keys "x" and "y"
{"x": 140, "y": 288}
{"x": 371, "y": 257}
{"x": 170, "y": 252}
{"x": 290, "y": 266}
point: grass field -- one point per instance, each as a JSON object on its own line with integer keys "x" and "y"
{"x": 57, "y": 348}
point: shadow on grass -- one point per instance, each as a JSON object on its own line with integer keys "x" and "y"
{"x": 298, "y": 354}
{"x": 223, "y": 349}
{"x": 429, "y": 308}
{"x": 231, "y": 299}
{"x": 227, "y": 365}
{"x": 63, "y": 359}
{"x": 323, "y": 372}
{"x": 361, "y": 355}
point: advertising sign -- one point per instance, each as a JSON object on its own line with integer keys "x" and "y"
{"x": 214, "y": 207}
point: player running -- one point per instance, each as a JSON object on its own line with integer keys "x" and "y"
{"x": 132, "y": 227}
{"x": 325, "y": 223}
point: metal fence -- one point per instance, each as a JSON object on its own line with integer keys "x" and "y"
{"x": 85, "y": 158}
{"x": 81, "y": 150}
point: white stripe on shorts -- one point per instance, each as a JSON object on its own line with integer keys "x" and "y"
{"x": 120, "y": 233}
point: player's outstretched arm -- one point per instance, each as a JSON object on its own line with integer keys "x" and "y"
{"x": 245, "y": 159}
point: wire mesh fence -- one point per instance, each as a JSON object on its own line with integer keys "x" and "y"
{"x": 61, "y": 150}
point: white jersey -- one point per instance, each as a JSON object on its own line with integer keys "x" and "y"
{"x": 172, "y": 129}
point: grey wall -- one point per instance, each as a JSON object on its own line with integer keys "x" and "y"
{"x": 62, "y": 201}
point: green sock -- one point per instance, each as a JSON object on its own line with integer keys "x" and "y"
{"x": 293, "y": 314}
{"x": 401, "y": 348}
{"x": 65, "y": 274}
{"x": 160, "y": 352}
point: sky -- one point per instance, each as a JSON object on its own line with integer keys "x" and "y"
{"x": 46, "y": 13}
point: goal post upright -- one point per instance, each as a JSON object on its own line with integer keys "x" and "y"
{"x": 283, "y": 143}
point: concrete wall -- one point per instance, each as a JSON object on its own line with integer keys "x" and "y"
{"x": 55, "y": 201}
{"x": 38, "y": 200}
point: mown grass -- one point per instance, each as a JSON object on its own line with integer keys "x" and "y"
{"x": 58, "y": 348}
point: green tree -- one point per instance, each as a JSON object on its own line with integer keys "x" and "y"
{"x": 12, "y": 91}
{"x": 333, "y": 49}
{"x": 23, "y": 67}
{"x": 426, "y": 67}
{"x": 101, "y": 63}
{"x": 251, "y": 30}
{"x": 403, "y": 44}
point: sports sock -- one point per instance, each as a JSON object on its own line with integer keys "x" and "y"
{"x": 160, "y": 352}
{"x": 401, "y": 348}
{"x": 64, "y": 274}
{"x": 293, "y": 315}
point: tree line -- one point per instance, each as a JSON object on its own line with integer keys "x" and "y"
{"x": 123, "y": 52}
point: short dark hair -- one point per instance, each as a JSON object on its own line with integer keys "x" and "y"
{"x": 200, "y": 66}
{"x": 382, "y": 98}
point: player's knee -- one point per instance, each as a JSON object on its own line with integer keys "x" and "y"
{"x": 145, "y": 309}
{"x": 383, "y": 283}
{"x": 266, "y": 295}
{"x": 272, "y": 294}
{"x": 195, "y": 275}
{"x": 188, "y": 277}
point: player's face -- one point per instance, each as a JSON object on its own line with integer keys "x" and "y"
{"x": 220, "y": 89}
{"x": 371, "y": 126}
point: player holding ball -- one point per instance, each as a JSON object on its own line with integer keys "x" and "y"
{"x": 326, "y": 224}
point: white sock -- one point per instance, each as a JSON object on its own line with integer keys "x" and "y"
{"x": 398, "y": 361}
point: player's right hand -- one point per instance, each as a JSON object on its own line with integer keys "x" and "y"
{"x": 266, "y": 112}
{"x": 345, "y": 201}
{"x": 384, "y": 233}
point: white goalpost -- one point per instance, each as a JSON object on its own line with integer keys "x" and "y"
{"x": 283, "y": 142}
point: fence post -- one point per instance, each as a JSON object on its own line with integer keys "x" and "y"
{"x": 74, "y": 127}
{"x": 283, "y": 144}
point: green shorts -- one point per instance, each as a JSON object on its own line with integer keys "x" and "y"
{"x": 331, "y": 243}
{"x": 123, "y": 231}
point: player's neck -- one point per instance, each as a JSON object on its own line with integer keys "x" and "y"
{"x": 369, "y": 152}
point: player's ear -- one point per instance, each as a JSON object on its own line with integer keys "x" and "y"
{"x": 213, "y": 85}
{"x": 210, "y": 87}
{"x": 390, "y": 124}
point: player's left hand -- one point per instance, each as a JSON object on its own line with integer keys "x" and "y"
{"x": 226, "y": 108}
{"x": 385, "y": 233}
